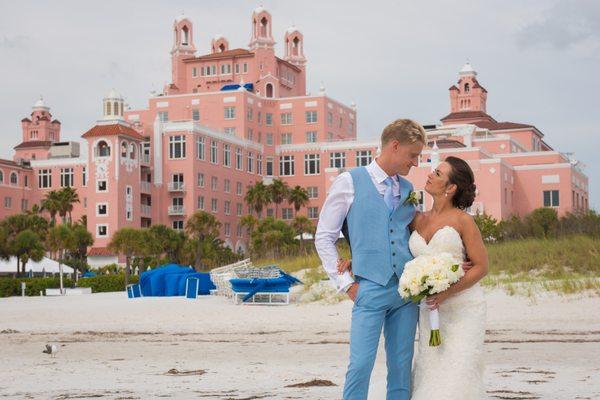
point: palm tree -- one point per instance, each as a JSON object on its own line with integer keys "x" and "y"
{"x": 60, "y": 239}
{"x": 279, "y": 191}
{"x": 82, "y": 239}
{"x": 303, "y": 225}
{"x": 129, "y": 242}
{"x": 250, "y": 222}
{"x": 202, "y": 226}
{"x": 257, "y": 197}
{"x": 51, "y": 204}
{"x": 298, "y": 197}
{"x": 26, "y": 246}
{"x": 67, "y": 196}
{"x": 163, "y": 240}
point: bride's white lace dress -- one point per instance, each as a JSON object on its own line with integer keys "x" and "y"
{"x": 453, "y": 370}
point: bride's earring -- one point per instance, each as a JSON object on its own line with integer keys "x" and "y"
{"x": 446, "y": 194}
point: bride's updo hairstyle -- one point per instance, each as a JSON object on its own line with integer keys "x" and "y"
{"x": 462, "y": 176}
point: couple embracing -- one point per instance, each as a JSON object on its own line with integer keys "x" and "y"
{"x": 385, "y": 231}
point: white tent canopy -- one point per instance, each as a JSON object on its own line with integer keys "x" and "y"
{"x": 45, "y": 265}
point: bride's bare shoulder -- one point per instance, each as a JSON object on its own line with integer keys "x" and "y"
{"x": 464, "y": 219}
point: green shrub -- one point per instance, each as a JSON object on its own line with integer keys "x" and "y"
{"x": 103, "y": 283}
{"x": 107, "y": 283}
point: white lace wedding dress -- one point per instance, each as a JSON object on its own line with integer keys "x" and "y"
{"x": 453, "y": 370}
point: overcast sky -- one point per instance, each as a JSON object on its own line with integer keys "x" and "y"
{"x": 539, "y": 60}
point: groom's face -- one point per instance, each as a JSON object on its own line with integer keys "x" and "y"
{"x": 406, "y": 156}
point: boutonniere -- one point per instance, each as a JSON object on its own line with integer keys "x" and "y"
{"x": 412, "y": 199}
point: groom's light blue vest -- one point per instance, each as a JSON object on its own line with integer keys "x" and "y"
{"x": 378, "y": 236}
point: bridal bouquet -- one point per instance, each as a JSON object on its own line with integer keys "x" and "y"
{"x": 427, "y": 275}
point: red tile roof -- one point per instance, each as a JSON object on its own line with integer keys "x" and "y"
{"x": 468, "y": 115}
{"x": 25, "y": 120}
{"x": 496, "y": 126}
{"x": 112, "y": 130}
{"x": 101, "y": 251}
{"x": 453, "y": 87}
{"x": 33, "y": 143}
{"x": 289, "y": 64}
{"x": 223, "y": 54}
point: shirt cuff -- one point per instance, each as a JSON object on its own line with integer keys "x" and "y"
{"x": 346, "y": 282}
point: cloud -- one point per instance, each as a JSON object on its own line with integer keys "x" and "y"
{"x": 566, "y": 25}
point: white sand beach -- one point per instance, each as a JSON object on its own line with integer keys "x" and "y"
{"x": 111, "y": 347}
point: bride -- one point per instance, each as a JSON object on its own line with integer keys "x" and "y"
{"x": 453, "y": 370}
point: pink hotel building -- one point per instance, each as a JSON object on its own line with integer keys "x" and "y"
{"x": 237, "y": 116}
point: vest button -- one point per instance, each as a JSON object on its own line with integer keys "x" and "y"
{"x": 392, "y": 242}
{"x": 393, "y": 254}
{"x": 391, "y": 231}
{"x": 394, "y": 265}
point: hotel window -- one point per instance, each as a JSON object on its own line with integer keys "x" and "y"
{"x": 225, "y": 69}
{"x": 214, "y": 156}
{"x": 213, "y": 205}
{"x": 14, "y": 180}
{"x": 329, "y": 118}
{"x": 227, "y": 229}
{"x": 311, "y": 117}
{"x": 26, "y": 180}
{"x": 363, "y": 158}
{"x": 102, "y": 209}
{"x": 286, "y": 138}
{"x": 227, "y": 207}
{"x": 329, "y": 136}
{"x": 286, "y": 213}
{"x": 313, "y": 192}
{"x": 24, "y": 204}
{"x": 249, "y": 114}
{"x": 311, "y": 137}
{"x": 200, "y": 147}
{"x": 200, "y": 204}
{"x": 195, "y": 114}
{"x": 1, "y": 177}
{"x": 202, "y": 73}
{"x": 200, "y": 179}
{"x": 229, "y": 130}
{"x": 227, "y": 186}
{"x": 237, "y": 68}
{"x": 163, "y": 116}
{"x": 123, "y": 149}
{"x": 66, "y": 177}
{"x": 286, "y": 118}
{"x": 214, "y": 181}
{"x": 286, "y": 166}
{"x": 239, "y": 229}
{"x": 270, "y": 212}
{"x": 176, "y": 146}
{"x": 238, "y": 188}
{"x": 312, "y": 164}
{"x": 313, "y": 212}
{"x": 551, "y": 198}
{"x": 101, "y": 230}
{"x": 238, "y": 209}
{"x": 245, "y": 67}
{"x": 250, "y": 164}
{"x": 249, "y": 134}
{"x": 351, "y": 127}
{"x": 337, "y": 160}
{"x": 259, "y": 164}
{"x": 194, "y": 72}
{"x": 238, "y": 158}
{"x": 44, "y": 178}
{"x": 178, "y": 225}
{"x": 213, "y": 69}
{"x": 84, "y": 176}
{"x": 269, "y": 139}
{"x": 101, "y": 185}
{"x": 8, "y": 202}
{"x": 268, "y": 119}
{"x": 226, "y": 155}
{"x": 259, "y": 118}
{"x": 269, "y": 163}
{"x": 230, "y": 112}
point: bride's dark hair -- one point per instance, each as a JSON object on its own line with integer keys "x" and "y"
{"x": 462, "y": 176}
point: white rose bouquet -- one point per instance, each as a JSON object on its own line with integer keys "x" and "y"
{"x": 427, "y": 275}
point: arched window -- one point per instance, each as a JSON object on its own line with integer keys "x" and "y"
{"x": 269, "y": 90}
{"x": 222, "y": 47}
{"x": 185, "y": 38}
{"x": 295, "y": 46}
{"x": 132, "y": 151}
{"x": 123, "y": 149}
{"x": 115, "y": 108}
{"x": 467, "y": 88}
{"x": 13, "y": 178}
{"x": 102, "y": 149}
{"x": 1, "y": 176}
{"x": 263, "y": 26}
{"x": 108, "y": 112}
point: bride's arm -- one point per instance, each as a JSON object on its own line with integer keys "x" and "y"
{"x": 477, "y": 253}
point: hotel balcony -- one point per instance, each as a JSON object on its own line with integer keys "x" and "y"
{"x": 176, "y": 187}
{"x": 145, "y": 159}
{"x": 145, "y": 187}
{"x": 176, "y": 210}
{"x": 146, "y": 210}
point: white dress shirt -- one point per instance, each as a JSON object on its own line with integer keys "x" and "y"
{"x": 334, "y": 211}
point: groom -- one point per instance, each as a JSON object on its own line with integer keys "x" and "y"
{"x": 373, "y": 201}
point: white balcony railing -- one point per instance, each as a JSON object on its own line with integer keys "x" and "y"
{"x": 145, "y": 187}
{"x": 176, "y": 210}
{"x": 145, "y": 158}
{"x": 146, "y": 209}
{"x": 176, "y": 187}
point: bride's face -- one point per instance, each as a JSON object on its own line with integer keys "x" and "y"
{"x": 437, "y": 180}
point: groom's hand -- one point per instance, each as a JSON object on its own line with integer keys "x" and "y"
{"x": 353, "y": 291}
{"x": 467, "y": 265}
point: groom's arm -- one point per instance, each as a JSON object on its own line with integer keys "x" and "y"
{"x": 331, "y": 219}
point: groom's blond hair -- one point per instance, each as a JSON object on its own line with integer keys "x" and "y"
{"x": 405, "y": 131}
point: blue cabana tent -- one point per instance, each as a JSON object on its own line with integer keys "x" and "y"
{"x": 170, "y": 279}
{"x": 235, "y": 86}
{"x": 88, "y": 274}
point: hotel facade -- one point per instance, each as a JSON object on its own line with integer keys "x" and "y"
{"x": 234, "y": 117}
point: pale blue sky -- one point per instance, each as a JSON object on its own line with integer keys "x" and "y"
{"x": 539, "y": 60}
